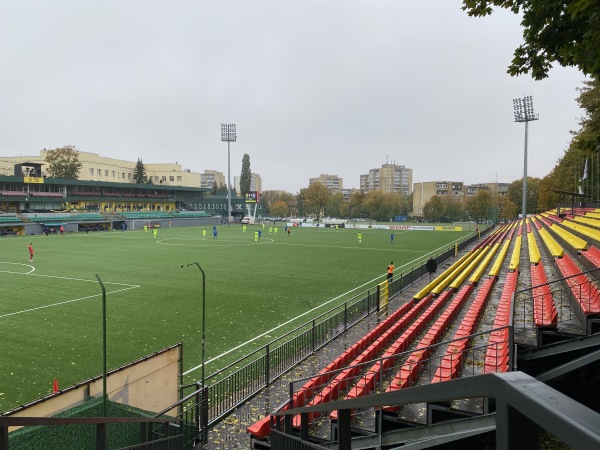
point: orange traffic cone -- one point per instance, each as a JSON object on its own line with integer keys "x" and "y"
{"x": 55, "y": 386}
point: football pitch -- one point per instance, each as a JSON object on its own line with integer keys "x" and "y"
{"x": 51, "y": 308}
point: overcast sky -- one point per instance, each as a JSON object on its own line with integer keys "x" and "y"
{"x": 314, "y": 86}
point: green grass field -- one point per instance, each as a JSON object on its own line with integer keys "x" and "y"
{"x": 51, "y": 309}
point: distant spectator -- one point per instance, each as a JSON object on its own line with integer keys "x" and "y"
{"x": 431, "y": 266}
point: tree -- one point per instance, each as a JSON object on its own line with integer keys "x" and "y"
{"x": 515, "y": 194}
{"x": 280, "y": 209}
{"x": 434, "y": 209}
{"x": 478, "y": 205}
{"x": 63, "y": 162}
{"x": 566, "y": 32}
{"x": 315, "y": 198}
{"x": 139, "y": 172}
{"x": 336, "y": 207}
{"x": 246, "y": 175}
{"x": 506, "y": 209}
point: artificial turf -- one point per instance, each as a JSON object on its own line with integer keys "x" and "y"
{"x": 51, "y": 308}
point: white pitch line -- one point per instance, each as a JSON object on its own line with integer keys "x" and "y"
{"x": 293, "y": 320}
{"x": 65, "y": 302}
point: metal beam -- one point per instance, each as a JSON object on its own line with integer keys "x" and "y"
{"x": 566, "y": 368}
{"x": 426, "y": 436}
{"x": 561, "y": 347}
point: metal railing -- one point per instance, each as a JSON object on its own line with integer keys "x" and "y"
{"x": 567, "y": 300}
{"x": 424, "y": 371}
{"x": 234, "y": 384}
{"x": 170, "y": 439}
{"x": 523, "y": 407}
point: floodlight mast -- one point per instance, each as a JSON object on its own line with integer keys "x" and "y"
{"x": 228, "y": 134}
{"x": 524, "y": 113}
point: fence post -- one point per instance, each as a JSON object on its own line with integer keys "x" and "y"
{"x": 204, "y": 415}
{"x": 345, "y": 316}
{"x": 197, "y": 411}
{"x": 378, "y": 297}
{"x": 267, "y": 366}
{"x": 314, "y": 336}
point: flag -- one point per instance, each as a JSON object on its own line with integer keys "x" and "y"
{"x": 584, "y": 171}
{"x": 55, "y": 386}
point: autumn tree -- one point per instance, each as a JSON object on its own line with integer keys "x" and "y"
{"x": 246, "y": 175}
{"x": 280, "y": 209}
{"x": 315, "y": 198}
{"x": 63, "y": 162}
{"x": 139, "y": 173}
{"x": 565, "y": 32}
{"x": 506, "y": 209}
{"x": 434, "y": 209}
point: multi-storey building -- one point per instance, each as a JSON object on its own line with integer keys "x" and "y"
{"x": 457, "y": 190}
{"x": 422, "y": 193}
{"x": 389, "y": 178}
{"x": 334, "y": 183}
{"x": 255, "y": 183}
{"x": 493, "y": 188}
{"x": 98, "y": 168}
{"x": 210, "y": 177}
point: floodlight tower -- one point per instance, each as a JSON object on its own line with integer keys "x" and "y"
{"x": 524, "y": 113}
{"x": 228, "y": 134}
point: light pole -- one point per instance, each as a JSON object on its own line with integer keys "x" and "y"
{"x": 524, "y": 113}
{"x": 228, "y": 134}
{"x": 105, "y": 395}
{"x": 203, "y": 397}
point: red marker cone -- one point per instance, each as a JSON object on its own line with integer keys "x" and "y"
{"x": 55, "y": 386}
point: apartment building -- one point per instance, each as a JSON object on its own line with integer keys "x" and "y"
{"x": 210, "y": 177}
{"x": 334, "y": 183}
{"x": 389, "y": 178}
{"x": 255, "y": 183}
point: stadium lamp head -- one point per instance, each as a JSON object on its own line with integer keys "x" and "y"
{"x": 228, "y": 133}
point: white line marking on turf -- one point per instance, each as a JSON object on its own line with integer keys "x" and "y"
{"x": 18, "y": 264}
{"x": 294, "y": 319}
{"x": 67, "y": 301}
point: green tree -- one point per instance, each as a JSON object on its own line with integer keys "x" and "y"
{"x": 139, "y": 173}
{"x": 336, "y": 207}
{"x": 356, "y": 208}
{"x": 246, "y": 175}
{"x": 515, "y": 194}
{"x": 63, "y": 162}
{"x": 315, "y": 198}
{"x": 454, "y": 209}
{"x": 478, "y": 205}
{"x": 566, "y": 32}
{"x": 434, "y": 209}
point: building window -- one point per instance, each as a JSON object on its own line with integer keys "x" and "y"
{"x": 106, "y": 173}
{"x": 164, "y": 178}
{"x": 123, "y": 175}
{"x": 114, "y": 174}
{"x": 91, "y": 171}
{"x": 129, "y": 176}
{"x": 171, "y": 178}
{"x": 99, "y": 172}
{"x": 178, "y": 177}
